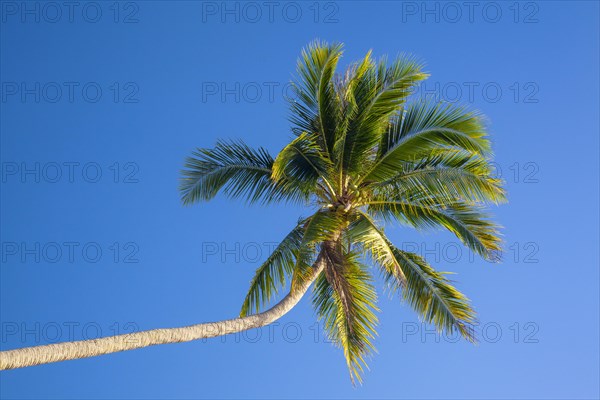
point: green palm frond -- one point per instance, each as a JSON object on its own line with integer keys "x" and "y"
{"x": 472, "y": 226}
{"x": 445, "y": 176}
{"x": 364, "y": 232}
{"x": 388, "y": 89}
{"x": 324, "y": 225}
{"x": 346, "y": 84}
{"x": 316, "y": 107}
{"x": 431, "y": 295}
{"x": 359, "y": 91}
{"x": 395, "y": 83}
{"x": 237, "y": 169}
{"x": 447, "y": 185}
{"x": 345, "y": 301}
{"x": 302, "y": 161}
{"x": 421, "y": 128}
{"x": 425, "y": 289}
{"x": 271, "y": 275}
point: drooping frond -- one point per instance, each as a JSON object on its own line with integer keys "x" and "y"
{"x": 445, "y": 176}
{"x": 324, "y": 225}
{"x": 345, "y": 301}
{"x": 431, "y": 295}
{"x": 364, "y": 232}
{"x": 238, "y": 169}
{"x": 421, "y": 128}
{"x": 472, "y": 226}
{"x": 426, "y": 290}
{"x": 271, "y": 275}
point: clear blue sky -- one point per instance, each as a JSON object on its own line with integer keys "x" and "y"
{"x": 129, "y": 90}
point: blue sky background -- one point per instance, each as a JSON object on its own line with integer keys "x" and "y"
{"x": 532, "y": 69}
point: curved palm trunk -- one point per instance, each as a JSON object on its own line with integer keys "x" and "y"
{"x": 50, "y": 353}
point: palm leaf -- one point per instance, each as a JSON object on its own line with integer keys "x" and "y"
{"x": 322, "y": 226}
{"x": 345, "y": 301}
{"x": 425, "y": 289}
{"x": 467, "y": 222}
{"x": 431, "y": 295}
{"x": 393, "y": 85}
{"x": 237, "y": 169}
{"x": 316, "y": 108}
{"x": 302, "y": 162}
{"x": 358, "y": 90}
{"x": 446, "y": 175}
{"x": 364, "y": 232}
{"x": 421, "y": 128}
{"x": 271, "y": 275}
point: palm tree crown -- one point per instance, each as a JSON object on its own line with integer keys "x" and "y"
{"x": 363, "y": 155}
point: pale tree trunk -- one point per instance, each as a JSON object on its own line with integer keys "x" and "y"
{"x": 50, "y": 353}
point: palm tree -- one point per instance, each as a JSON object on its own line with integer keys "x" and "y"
{"x": 361, "y": 155}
